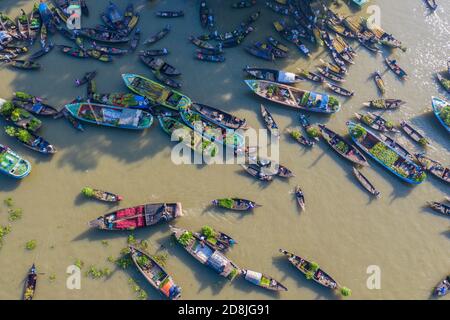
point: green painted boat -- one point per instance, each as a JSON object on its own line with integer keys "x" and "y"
{"x": 110, "y": 116}
{"x": 156, "y": 92}
{"x": 12, "y": 164}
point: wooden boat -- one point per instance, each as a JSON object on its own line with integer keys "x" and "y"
{"x": 166, "y": 80}
{"x": 138, "y": 217}
{"x": 443, "y": 288}
{"x": 22, "y": 118}
{"x": 96, "y": 54}
{"x": 158, "y": 36}
{"x": 366, "y": 183}
{"x": 155, "y": 92}
{"x": 216, "y": 132}
{"x": 431, "y": 4}
{"x": 385, "y": 103}
{"x": 340, "y": 29}
{"x": 33, "y": 104}
{"x": 262, "y": 280}
{"x": 209, "y": 57}
{"x": 383, "y": 37}
{"x": 339, "y": 90}
{"x": 444, "y": 82}
{"x": 312, "y": 271}
{"x": 269, "y": 48}
{"x": 263, "y": 54}
{"x": 30, "y": 284}
{"x": 201, "y": 44}
{"x": 215, "y": 51}
{"x": 294, "y": 97}
{"x": 203, "y": 252}
{"x": 243, "y": 4}
{"x": 30, "y": 140}
{"x": 414, "y": 134}
{"x": 382, "y": 152}
{"x": 441, "y": 109}
{"x": 279, "y": 76}
{"x": 284, "y": 172}
{"x": 110, "y": 116}
{"x": 235, "y": 204}
{"x": 220, "y": 117}
{"x": 155, "y": 274}
{"x": 103, "y": 35}
{"x": 25, "y": 64}
{"x": 135, "y": 40}
{"x": 124, "y": 100}
{"x": 38, "y": 54}
{"x": 398, "y": 147}
{"x": 9, "y": 26}
{"x": 101, "y": 195}
{"x": 191, "y": 138}
{"x": 439, "y": 207}
{"x": 270, "y": 122}
{"x": 310, "y": 75}
{"x": 334, "y": 68}
{"x": 204, "y": 12}
{"x": 297, "y": 136}
{"x": 392, "y": 64}
{"x": 277, "y": 44}
{"x": 12, "y": 164}
{"x": 376, "y": 122}
{"x": 23, "y": 25}
{"x": 342, "y": 147}
{"x": 88, "y": 76}
{"x": 433, "y": 166}
{"x": 158, "y": 64}
{"x": 155, "y": 53}
{"x": 379, "y": 82}
{"x": 77, "y": 53}
{"x": 169, "y": 14}
{"x": 300, "y": 197}
{"x": 217, "y": 239}
{"x": 257, "y": 172}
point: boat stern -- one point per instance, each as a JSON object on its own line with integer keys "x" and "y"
{"x": 178, "y": 210}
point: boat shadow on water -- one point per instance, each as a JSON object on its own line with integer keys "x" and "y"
{"x": 289, "y": 272}
{"x": 8, "y": 184}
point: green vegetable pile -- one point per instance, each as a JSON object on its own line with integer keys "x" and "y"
{"x": 385, "y": 155}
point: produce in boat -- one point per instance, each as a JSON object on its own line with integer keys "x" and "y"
{"x": 435, "y": 167}
{"x": 12, "y": 164}
{"x": 414, "y": 134}
{"x": 155, "y": 274}
{"x": 385, "y": 103}
{"x": 155, "y": 92}
{"x": 31, "y": 140}
{"x": 376, "y": 122}
{"x": 20, "y": 117}
{"x": 444, "y": 82}
{"x": 101, "y": 195}
{"x": 262, "y": 280}
{"x": 30, "y": 284}
{"x": 441, "y": 109}
{"x": 294, "y": 97}
{"x": 386, "y": 155}
{"x": 235, "y": 204}
{"x": 203, "y": 252}
{"x": 272, "y": 75}
{"x": 110, "y": 116}
{"x": 124, "y": 100}
{"x": 297, "y": 136}
{"x": 342, "y": 147}
{"x": 217, "y": 239}
{"x": 138, "y": 217}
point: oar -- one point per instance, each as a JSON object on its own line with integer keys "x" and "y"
{"x": 93, "y": 112}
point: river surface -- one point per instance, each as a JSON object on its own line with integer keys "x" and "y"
{"x": 343, "y": 229}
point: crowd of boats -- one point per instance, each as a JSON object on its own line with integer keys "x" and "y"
{"x": 207, "y": 128}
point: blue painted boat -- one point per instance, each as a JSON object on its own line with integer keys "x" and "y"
{"x": 110, "y": 116}
{"x": 12, "y": 164}
{"x": 360, "y": 3}
{"x": 384, "y": 154}
{"x": 438, "y": 105}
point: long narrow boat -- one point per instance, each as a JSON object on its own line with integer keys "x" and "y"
{"x": 155, "y": 274}
{"x": 12, "y": 164}
{"x": 124, "y": 100}
{"x": 366, "y": 183}
{"x": 269, "y": 122}
{"x": 392, "y": 64}
{"x": 33, "y": 104}
{"x": 439, "y": 207}
{"x": 110, "y": 116}
{"x": 30, "y": 284}
{"x": 376, "y": 122}
{"x": 384, "y": 103}
{"x": 297, "y": 136}
{"x": 387, "y": 156}
{"x": 25, "y": 64}
{"x": 210, "y": 130}
{"x": 379, "y": 82}
{"x": 158, "y": 36}
{"x": 166, "y": 80}
{"x": 191, "y": 138}
{"x": 312, "y": 271}
{"x": 330, "y": 75}
{"x": 155, "y": 92}
{"x": 217, "y": 239}
{"x": 414, "y": 134}
{"x": 257, "y": 172}
{"x": 158, "y": 64}
{"x": 339, "y": 90}
{"x": 101, "y": 195}
{"x": 443, "y": 288}
{"x": 263, "y": 281}
{"x": 397, "y": 147}
{"x": 103, "y": 35}
{"x": 279, "y": 76}
{"x": 235, "y": 204}
{"x": 294, "y": 97}
{"x": 138, "y": 217}
{"x": 342, "y": 147}
{"x": 203, "y": 252}
{"x": 31, "y": 140}
{"x": 300, "y": 197}
{"x": 441, "y": 109}
{"x": 310, "y": 75}
{"x": 220, "y": 117}
{"x": 435, "y": 167}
